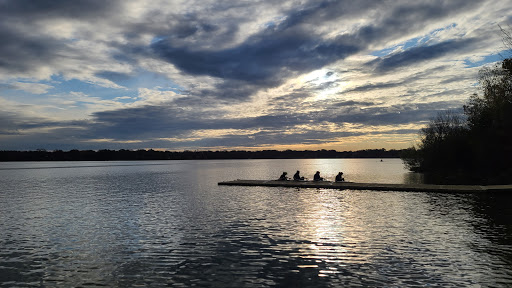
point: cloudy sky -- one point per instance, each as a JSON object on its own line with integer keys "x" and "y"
{"x": 255, "y": 74}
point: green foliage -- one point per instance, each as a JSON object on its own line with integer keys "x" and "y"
{"x": 477, "y": 147}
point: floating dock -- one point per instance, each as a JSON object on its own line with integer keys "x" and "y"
{"x": 371, "y": 186}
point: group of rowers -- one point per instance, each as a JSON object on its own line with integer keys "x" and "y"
{"x": 316, "y": 177}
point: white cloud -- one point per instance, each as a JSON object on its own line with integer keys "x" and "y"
{"x": 155, "y": 97}
{"x": 34, "y": 88}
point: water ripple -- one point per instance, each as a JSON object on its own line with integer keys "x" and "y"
{"x": 172, "y": 226}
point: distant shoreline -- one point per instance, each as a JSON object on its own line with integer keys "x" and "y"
{"x": 110, "y": 155}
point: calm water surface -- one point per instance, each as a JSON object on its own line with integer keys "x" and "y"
{"x": 167, "y": 223}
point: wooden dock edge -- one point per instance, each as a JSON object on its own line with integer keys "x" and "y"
{"x": 371, "y": 186}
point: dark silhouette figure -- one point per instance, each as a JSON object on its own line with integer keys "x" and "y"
{"x": 283, "y": 177}
{"x": 297, "y": 176}
{"x": 317, "y": 177}
{"x": 339, "y": 177}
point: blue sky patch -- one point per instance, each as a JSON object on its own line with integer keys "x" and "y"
{"x": 413, "y": 42}
{"x": 487, "y": 59}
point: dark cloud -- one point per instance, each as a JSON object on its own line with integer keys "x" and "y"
{"x": 12, "y": 123}
{"x": 268, "y": 58}
{"x": 17, "y": 121}
{"x": 376, "y": 86}
{"x": 188, "y": 41}
{"x": 292, "y": 46}
{"x": 30, "y": 9}
{"x": 318, "y": 12}
{"x": 22, "y": 53}
{"x": 407, "y": 81}
{"x": 384, "y": 115}
{"x": 354, "y": 103}
{"x": 278, "y": 137}
{"x": 183, "y": 29}
{"x": 260, "y": 60}
{"x": 8, "y": 123}
{"x": 407, "y": 17}
{"x": 375, "y": 117}
{"x": 387, "y": 118}
{"x": 231, "y": 90}
{"x": 459, "y": 78}
{"x": 150, "y": 123}
{"x": 113, "y": 76}
{"x": 22, "y": 48}
{"x": 155, "y": 121}
{"x": 419, "y": 54}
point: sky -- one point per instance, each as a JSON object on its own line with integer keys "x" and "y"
{"x": 238, "y": 75}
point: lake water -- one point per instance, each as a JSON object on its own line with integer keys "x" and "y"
{"x": 168, "y": 223}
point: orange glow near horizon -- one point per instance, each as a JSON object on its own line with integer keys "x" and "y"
{"x": 354, "y": 145}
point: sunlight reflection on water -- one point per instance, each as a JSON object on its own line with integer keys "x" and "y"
{"x": 136, "y": 223}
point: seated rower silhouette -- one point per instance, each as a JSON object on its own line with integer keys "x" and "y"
{"x": 339, "y": 177}
{"x": 297, "y": 176}
{"x": 317, "y": 177}
{"x": 283, "y": 177}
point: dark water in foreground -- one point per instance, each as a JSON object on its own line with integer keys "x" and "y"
{"x": 153, "y": 223}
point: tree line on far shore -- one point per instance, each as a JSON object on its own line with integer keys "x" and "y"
{"x": 473, "y": 147}
{"x": 106, "y": 155}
